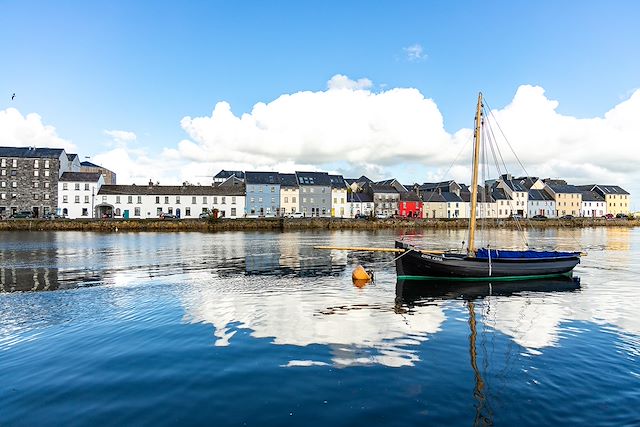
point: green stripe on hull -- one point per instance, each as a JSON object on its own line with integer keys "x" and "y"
{"x": 486, "y": 279}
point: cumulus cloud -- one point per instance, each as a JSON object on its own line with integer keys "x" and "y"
{"x": 415, "y": 53}
{"x": 17, "y": 130}
{"x": 121, "y": 136}
{"x": 340, "y": 81}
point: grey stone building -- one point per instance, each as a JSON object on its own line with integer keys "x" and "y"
{"x": 315, "y": 193}
{"x": 29, "y": 178}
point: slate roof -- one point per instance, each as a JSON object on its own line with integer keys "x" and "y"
{"x": 170, "y": 190}
{"x": 337, "y": 181}
{"x": 433, "y": 197}
{"x": 262, "y": 178}
{"x": 80, "y": 177}
{"x": 432, "y": 186}
{"x": 71, "y": 156}
{"x": 223, "y": 174}
{"x": 591, "y": 196}
{"x": 483, "y": 197}
{"x": 499, "y": 194}
{"x": 359, "y": 198}
{"x": 90, "y": 165}
{"x": 31, "y": 152}
{"x": 513, "y": 184}
{"x": 409, "y": 196}
{"x": 564, "y": 189}
{"x": 233, "y": 182}
{"x": 540, "y": 195}
{"x": 313, "y": 178}
{"x": 288, "y": 180}
{"x": 381, "y": 188}
{"x": 610, "y": 189}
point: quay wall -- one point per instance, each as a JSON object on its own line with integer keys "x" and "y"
{"x": 108, "y": 225}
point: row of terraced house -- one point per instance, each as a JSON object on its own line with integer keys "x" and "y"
{"x": 46, "y": 180}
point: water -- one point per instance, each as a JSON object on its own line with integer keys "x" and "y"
{"x": 261, "y": 329}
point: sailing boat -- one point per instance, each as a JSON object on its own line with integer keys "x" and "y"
{"x": 483, "y": 263}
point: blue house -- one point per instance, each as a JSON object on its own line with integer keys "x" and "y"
{"x": 263, "y": 193}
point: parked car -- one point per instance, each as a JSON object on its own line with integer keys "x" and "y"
{"x": 382, "y": 216}
{"x": 607, "y": 216}
{"x": 539, "y": 217}
{"x": 516, "y": 216}
{"x": 567, "y": 217}
{"x": 204, "y": 215}
{"x": 622, "y": 216}
{"x": 296, "y": 215}
{"x": 361, "y": 216}
{"x": 167, "y": 216}
{"x": 22, "y": 214}
{"x": 51, "y": 215}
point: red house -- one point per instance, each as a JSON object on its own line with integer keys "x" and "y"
{"x": 410, "y": 205}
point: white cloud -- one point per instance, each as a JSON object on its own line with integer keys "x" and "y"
{"x": 415, "y": 53}
{"x": 121, "y": 135}
{"x": 17, "y": 130}
{"x": 340, "y": 81}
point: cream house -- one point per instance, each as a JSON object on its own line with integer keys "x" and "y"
{"x": 434, "y": 205}
{"x": 289, "y": 194}
{"x": 339, "y": 206}
{"x": 568, "y": 198}
{"x": 617, "y": 200}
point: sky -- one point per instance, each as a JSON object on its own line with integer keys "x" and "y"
{"x": 175, "y": 91}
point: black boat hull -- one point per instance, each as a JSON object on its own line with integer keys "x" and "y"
{"x": 413, "y": 264}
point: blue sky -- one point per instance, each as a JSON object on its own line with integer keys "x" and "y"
{"x": 87, "y": 67}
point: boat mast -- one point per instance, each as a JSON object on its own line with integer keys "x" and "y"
{"x": 474, "y": 181}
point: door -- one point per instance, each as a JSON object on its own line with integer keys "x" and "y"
{"x": 178, "y": 213}
{"x": 125, "y": 214}
{"x": 36, "y": 212}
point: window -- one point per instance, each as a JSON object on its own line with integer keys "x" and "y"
{"x": 215, "y": 200}
{"x": 14, "y": 196}
{"x": 204, "y": 200}
{"x": 36, "y": 163}
{"x": 14, "y": 173}
{"x": 177, "y": 200}
{"x": 104, "y": 198}
{"x": 35, "y": 184}
{"x": 193, "y": 200}
{"x": 85, "y": 212}
{"x": 14, "y": 163}
{"x": 259, "y": 199}
{"x": 129, "y": 199}
{"x": 65, "y": 199}
{"x": 224, "y": 200}
{"x": 77, "y": 186}
{"x": 3, "y": 184}
{"x": 3, "y": 196}
{"x": 166, "y": 200}
{"x": 286, "y": 199}
{"x": 118, "y": 212}
{"x": 65, "y": 186}
{"x": 4, "y": 172}
{"x": 233, "y": 200}
{"x": 46, "y": 184}
{"x": 136, "y": 211}
{"x": 293, "y": 200}
{"x": 46, "y": 196}
{"x": 86, "y": 199}
{"x": 273, "y": 189}
{"x": 3, "y": 163}
{"x": 46, "y": 164}
{"x": 253, "y": 199}
{"x": 117, "y": 199}
{"x": 335, "y": 200}
{"x": 170, "y": 210}
{"x": 46, "y": 173}
{"x": 77, "y": 199}
{"x": 158, "y": 211}
{"x": 157, "y": 200}
{"x": 233, "y": 211}
{"x": 139, "y": 199}
{"x": 15, "y": 185}
{"x": 187, "y": 212}
{"x": 86, "y": 186}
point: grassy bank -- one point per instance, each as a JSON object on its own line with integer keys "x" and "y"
{"x": 290, "y": 224}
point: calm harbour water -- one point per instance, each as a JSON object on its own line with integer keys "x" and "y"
{"x": 261, "y": 329}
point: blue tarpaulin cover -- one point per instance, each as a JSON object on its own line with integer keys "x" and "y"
{"x": 497, "y": 253}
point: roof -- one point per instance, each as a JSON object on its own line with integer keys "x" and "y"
{"x": 80, "y": 177}
{"x": 31, "y": 152}
{"x": 337, "y": 181}
{"x": 72, "y": 156}
{"x": 382, "y": 188}
{"x": 539, "y": 195}
{"x": 233, "y": 182}
{"x": 513, "y": 184}
{"x": 591, "y": 196}
{"x": 359, "y": 198}
{"x": 90, "y": 165}
{"x": 228, "y": 174}
{"x": 610, "y": 189}
{"x": 313, "y": 178}
{"x": 409, "y": 196}
{"x": 499, "y": 194}
{"x": 262, "y": 178}
{"x": 433, "y": 197}
{"x": 171, "y": 190}
{"x": 483, "y": 197}
{"x": 431, "y": 186}
{"x": 288, "y": 180}
{"x": 564, "y": 189}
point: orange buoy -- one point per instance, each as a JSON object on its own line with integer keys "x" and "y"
{"x": 360, "y": 274}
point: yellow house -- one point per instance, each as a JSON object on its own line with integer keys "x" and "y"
{"x": 339, "y": 205}
{"x": 617, "y": 200}
{"x": 568, "y": 198}
{"x": 289, "y": 194}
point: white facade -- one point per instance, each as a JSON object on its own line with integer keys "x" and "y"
{"x": 541, "y": 207}
{"x": 77, "y": 198}
{"x": 289, "y": 200}
{"x": 593, "y": 209}
{"x": 339, "y": 206}
{"x": 362, "y": 208}
{"x": 185, "y": 202}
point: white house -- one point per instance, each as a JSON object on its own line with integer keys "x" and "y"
{"x": 517, "y": 194}
{"x": 359, "y": 204}
{"x": 289, "y": 194}
{"x": 77, "y": 194}
{"x": 541, "y": 203}
{"x": 186, "y": 201}
{"x": 593, "y": 205}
